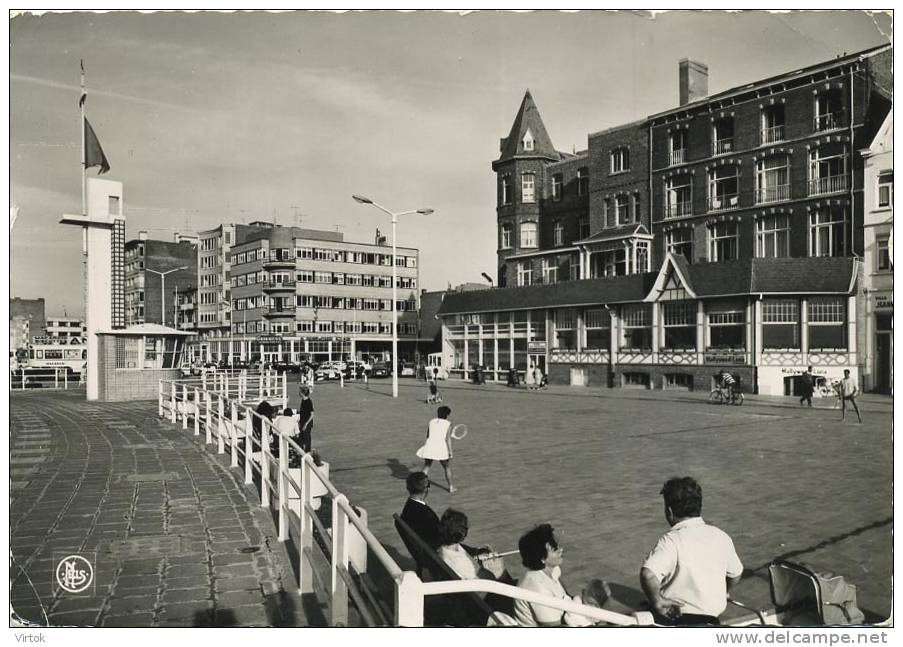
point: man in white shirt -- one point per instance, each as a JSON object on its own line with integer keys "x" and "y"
{"x": 688, "y": 574}
{"x": 848, "y": 391}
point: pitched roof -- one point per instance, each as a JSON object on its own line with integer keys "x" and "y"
{"x": 820, "y": 275}
{"x": 528, "y": 119}
{"x": 622, "y": 231}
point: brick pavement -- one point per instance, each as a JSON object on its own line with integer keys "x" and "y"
{"x": 781, "y": 479}
{"x": 177, "y": 538}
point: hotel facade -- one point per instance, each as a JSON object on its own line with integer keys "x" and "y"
{"x": 724, "y": 234}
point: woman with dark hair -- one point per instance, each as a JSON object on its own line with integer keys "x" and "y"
{"x": 438, "y": 445}
{"x": 264, "y": 410}
{"x": 541, "y": 554}
{"x": 462, "y": 559}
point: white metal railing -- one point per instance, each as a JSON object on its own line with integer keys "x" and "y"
{"x": 678, "y": 209}
{"x": 724, "y": 202}
{"x": 829, "y": 184}
{"x": 723, "y": 146}
{"x": 768, "y": 194}
{"x": 44, "y": 378}
{"x": 677, "y": 156}
{"x": 773, "y": 134}
{"x": 828, "y": 121}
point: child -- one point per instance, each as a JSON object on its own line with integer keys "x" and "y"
{"x": 434, "y": 397}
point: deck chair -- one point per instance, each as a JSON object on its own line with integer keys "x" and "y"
{"x": 802, "y": 596}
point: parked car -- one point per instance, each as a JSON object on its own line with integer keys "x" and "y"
{"x": 326, "y": 371}
{"x": 407, "y": 370}
{"x": 352, "y": 367}
{"x": 188, "y": 370}
{"x": 286, "y": 367}
{"x": 380, "y": 369}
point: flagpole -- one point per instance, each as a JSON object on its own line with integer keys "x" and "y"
{"x": 81, "y": 103}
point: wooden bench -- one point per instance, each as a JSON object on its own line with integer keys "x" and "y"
{"x": 456, "y": 609}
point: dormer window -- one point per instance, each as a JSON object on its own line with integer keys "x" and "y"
{"x": 528, "y": 141}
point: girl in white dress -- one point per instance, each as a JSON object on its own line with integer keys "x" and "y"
{"x": 438, "y": 445}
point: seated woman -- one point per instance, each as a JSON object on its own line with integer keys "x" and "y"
{"x": 541, "y": 554}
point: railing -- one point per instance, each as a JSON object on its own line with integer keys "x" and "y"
{"x": 830, "y": 184}
{"x": 678, "y": 209}
{"x": 275, "y": 285}
{"x": 724, "y": 202}
{"x": 279, "y": 311}
{"x": 44, "y": 378}
{"x": 772, "y": 194}
{"x": 773, "y": 134}
{"x": 828, "y": 121}
{"x": 723, "y": 146}
{"x": 677, "y": 156}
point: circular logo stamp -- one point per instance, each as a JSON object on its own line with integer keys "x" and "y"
{"x": 74, "y": 573}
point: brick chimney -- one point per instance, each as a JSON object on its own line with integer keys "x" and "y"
{"x": 694, "y": 81}
{"x": 142, "y": 235}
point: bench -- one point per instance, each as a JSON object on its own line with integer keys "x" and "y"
{"x": 457, "y": 609}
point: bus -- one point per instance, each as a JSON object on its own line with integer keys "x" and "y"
{"x": 71, "y": 354}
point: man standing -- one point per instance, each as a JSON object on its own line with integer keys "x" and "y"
{"x": 848, "y": 391}
{"x": 417, "y": 514}
{"x": 305, "y": 418}
{"x": 808, "y": 386}
{"x": 688, "y": 574}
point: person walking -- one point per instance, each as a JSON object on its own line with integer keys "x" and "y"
{"x": 848, "y": 391}
{"x": 538, "y": 376}
{"x": 438, "y": 445}
{"x": 530, "y": 377}
{"x": 808, "y": 386}
{"x": 305, "y": 418}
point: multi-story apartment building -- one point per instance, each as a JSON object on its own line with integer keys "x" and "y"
{"x": 65, "y": 328}
{"x": 304, "y": 294}
{"x": 187, "y": 304}
{"x": 721, "y": 234}
{"x": 213, "y": 280}
{"x": 878, "y": 266}
{"x": 27, "y": 320}
{"x": 155, "y": 271}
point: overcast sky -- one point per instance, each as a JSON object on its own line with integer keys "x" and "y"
{"x": 210, "y": 118}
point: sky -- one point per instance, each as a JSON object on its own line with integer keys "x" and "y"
{"x": 235, "y": 117}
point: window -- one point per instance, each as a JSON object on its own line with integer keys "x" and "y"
{"x": 524, "y": 273}
{"x": 828, "y": 169}
{"x": 597, "y": 329}
{"x": 636, "y": 326}
{"x": 620, "y": 159}
{"x": 773, "y": 236}
{"x": 780, "y": 324}
{"x": 723, "y": 136}
{"x": 528, "y": 140}
{"x": 886, "y": 189}
{"x": 677, "y": 147}
{"x": 505, "y": 237}
{"x": 323, "y": 277}
{"x": 582, "y": 181}
{"x": 305, "y": 326}
{"x": 724, "y": 239}
{"x": 678, "y": 196}
{"x": 549, "y": 271}
{"x": 724, "y": 188}
{"x": 528, "y": 234}
{"x": 506, "y": 189}
{"x": 828, "y": 110}
{"x": 773, "y": 124}
{"x": 727, "y": 329}
{"x": 557, "y": 186}
{"x": 527, "y": 188}
{"x": 622, "y": 209}
{"x": 566, "y": 329}
{"x": 558, "y": 234}
{"x": 882, "y": 254}
{"x": 827, "y": 325}
{"x": 827, "y": 232}
{"x": 113, "y": 205}
{"x": 583, "y": 227}
{"x": 773, "y": 179}
{"x": 679, "y": 318}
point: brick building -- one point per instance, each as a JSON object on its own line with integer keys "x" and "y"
{"x": 152, "y": 266}
{"x": 648, "y": 260}
{"x": 27, "y": 320}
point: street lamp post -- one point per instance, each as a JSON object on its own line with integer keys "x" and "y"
{"x": 163, "y": 288}
{"x": 425, "y": 212}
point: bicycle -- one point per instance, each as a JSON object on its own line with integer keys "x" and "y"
{"x": 725, "y": 396}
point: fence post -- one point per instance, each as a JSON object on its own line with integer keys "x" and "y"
{"x": 260, "y": 386}
{"x": 66, "y": 380}
{"x": 208, "y": 409}
{"x": 56, "y": 378}
{"x": 408, "y": 601}
{"x": 283, "y": 487}
{"x": 204, "y": 378}
{"x": 173, "y": 404}
{"x": 184, "y": 406}
{"x": 233, "y": 437}
{"x": 23, "y": 379}
{"x": 264, "y": 463}
{"x": 226, "y": 385}
{"x": 159, "y": 398}
{"x": 306, "y": 538}
{"x": 249, "y": 445}
{"x": 197, "y": 412}
{"x": 221, "y": 444}
{"x": 338, "y": 589}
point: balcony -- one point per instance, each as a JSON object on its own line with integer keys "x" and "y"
{"x": 279, "y": 311}
{"x": 773, "y": 135}
{"x": 678, "y": 209}
{"x": 284, "y": 262}
{"x": 272, "y": 286}
{"x": 773, "y": 194}
{"x": 723, "y": 146}
{"x": 826, "y": 185}
{"x": 724, "y": 202}
{"x": 678, "y": 156}
{"x": 828, "y": 121}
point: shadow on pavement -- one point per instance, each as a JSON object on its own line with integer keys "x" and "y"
{"x": 398, "y": 469}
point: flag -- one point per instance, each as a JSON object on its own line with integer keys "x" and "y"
{"x": 94, "y": 155}
{"x": 81, "y": 99}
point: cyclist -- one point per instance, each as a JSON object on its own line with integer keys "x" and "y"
{"x": 727, "y": 383}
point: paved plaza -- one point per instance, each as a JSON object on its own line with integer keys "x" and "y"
{"x": 181, "y": 541}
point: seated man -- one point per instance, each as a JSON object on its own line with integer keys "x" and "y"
{"x": 688, "y": 574}
{"x": 419, "y": 516}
